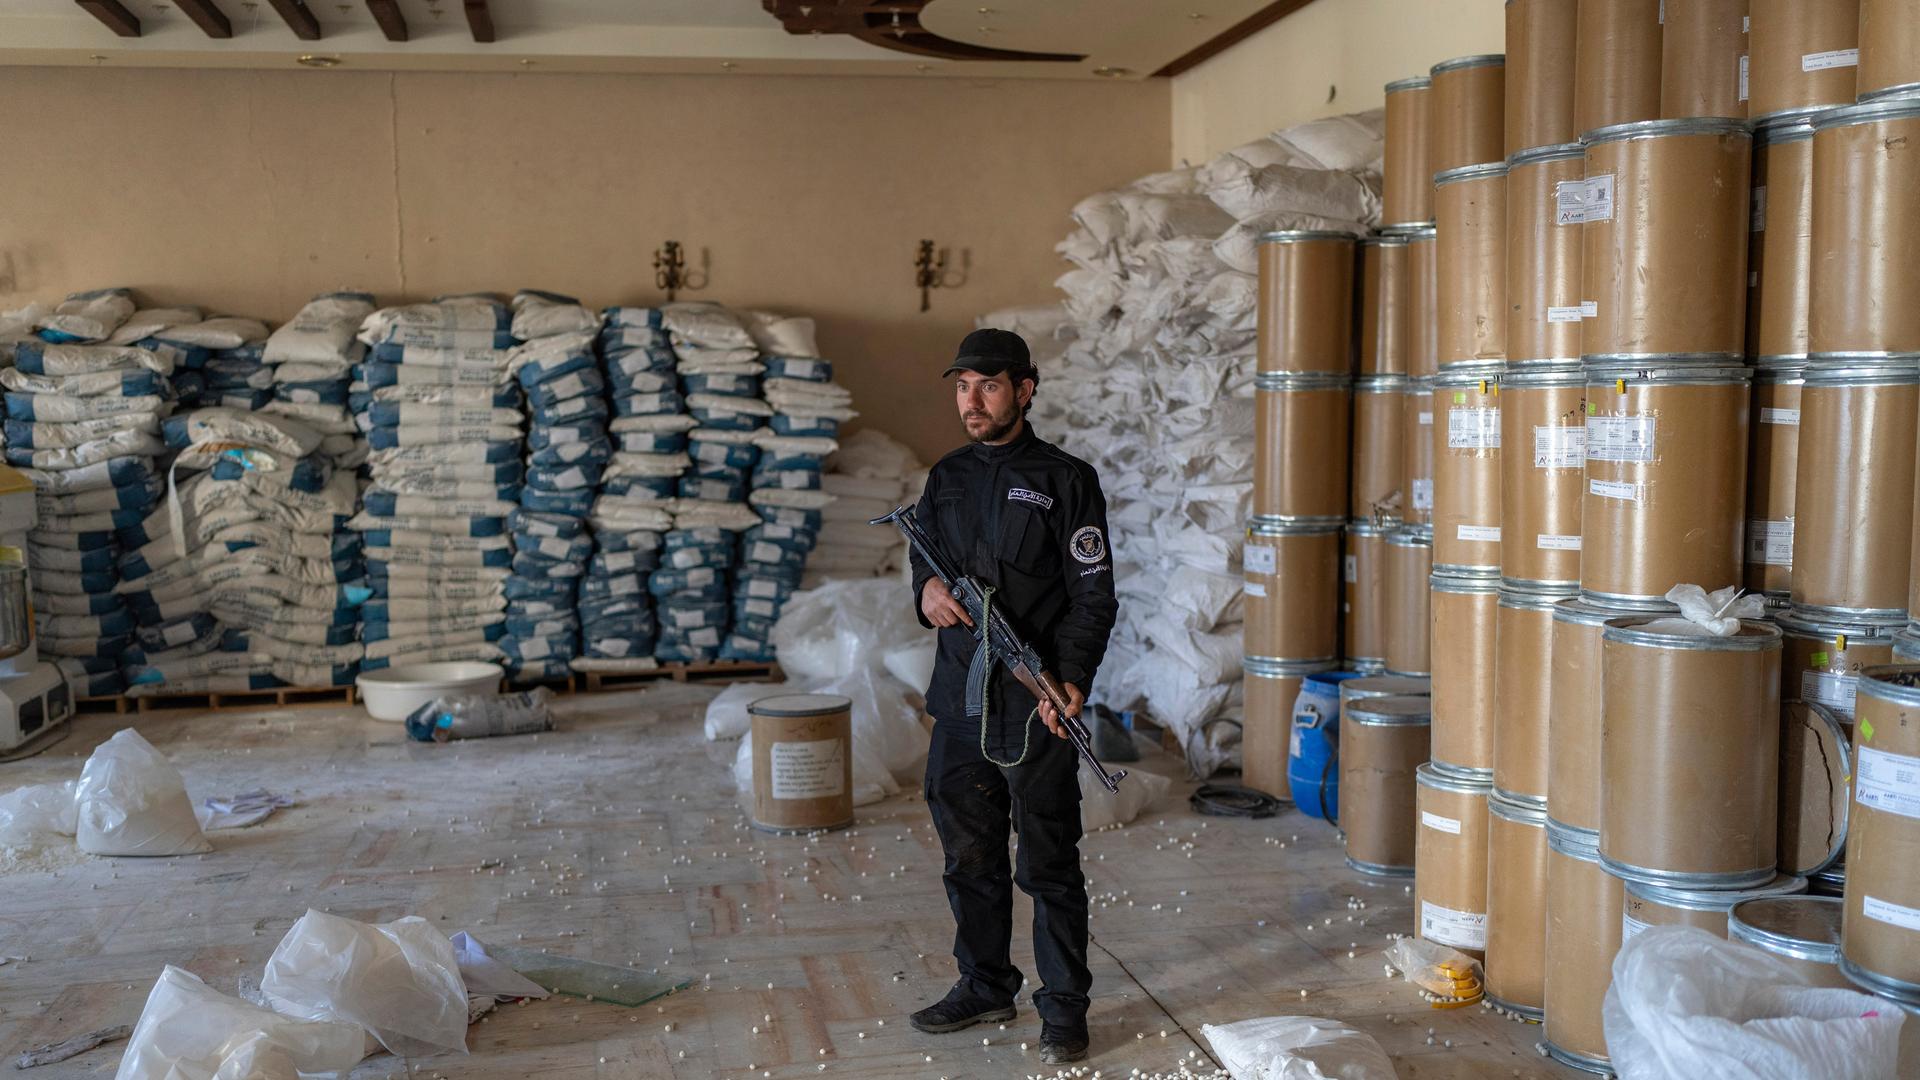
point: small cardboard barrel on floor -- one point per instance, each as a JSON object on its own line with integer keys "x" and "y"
{"x": 802, "y": 763}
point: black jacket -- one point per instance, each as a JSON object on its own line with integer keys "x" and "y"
{"x": 1029, "y": 519}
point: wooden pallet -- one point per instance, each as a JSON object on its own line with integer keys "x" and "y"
{"x": 287, "y": 696}
{"x": 718, "y": 671}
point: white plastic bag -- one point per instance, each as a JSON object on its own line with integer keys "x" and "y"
{"x": 132, "y": 801}
{"x": 1709, "y": 614}
{"x": 399, "y": 980}
{"x": 1685, "y": 1003}
{"x": 727, "y": 716}
{"x": 189, "y": 1031}
{"x": 1297, "y": 1048}
{"x": 1100, "y": 808}
{"x": 37, "y": 816}
{"x": 843, "y": 626}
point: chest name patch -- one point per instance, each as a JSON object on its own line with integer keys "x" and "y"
{"x": 1044, "y": 502}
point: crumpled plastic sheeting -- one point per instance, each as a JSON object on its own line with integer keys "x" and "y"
{"x": 189, "y": 1031}
{"x": 1709, "y": 614}
{"x": 1146, "y": 372}
{"x": 1297, "y": 1048}
{"x": 132, "y": 801}
{"x": 400, "y": 981}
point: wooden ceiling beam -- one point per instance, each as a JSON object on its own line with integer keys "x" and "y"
{"x": 479, "y": 20}
{"x": 114, "y": 14}
{"x": 299, "y": 18}
{"x": 387, "y": 14}
{"x": 210, "y": 19}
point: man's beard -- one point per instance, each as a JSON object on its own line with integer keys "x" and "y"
{"x": 999, "y": 428}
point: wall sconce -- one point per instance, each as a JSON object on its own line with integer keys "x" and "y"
{"x": 930, "y": 271}
{"x": 670, "y": 270}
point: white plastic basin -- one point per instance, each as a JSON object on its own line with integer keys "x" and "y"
{"x": 392, "y": 693}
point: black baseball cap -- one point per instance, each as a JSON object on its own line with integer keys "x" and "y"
{"x": 990, "y": 351}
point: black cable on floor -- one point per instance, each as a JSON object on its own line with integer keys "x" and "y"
{"x": 1232, "y": 800}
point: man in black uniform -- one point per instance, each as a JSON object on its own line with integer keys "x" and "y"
{"x": 1027, "y": 520}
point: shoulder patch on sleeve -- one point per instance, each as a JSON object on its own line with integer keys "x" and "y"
{"x": 1088, "y": 545}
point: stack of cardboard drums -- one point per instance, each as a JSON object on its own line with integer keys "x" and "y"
{"x": 1644, "y": 313}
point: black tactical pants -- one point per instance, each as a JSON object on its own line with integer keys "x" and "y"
{"x": 973, "y": 802}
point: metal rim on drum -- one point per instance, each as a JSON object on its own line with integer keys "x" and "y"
{"x": 1620, "y": 605}
{"x": 1367, "y": 527}
{"x": 1782, "y": 944}
{"x": 1534, "y": 596}
{"x": 1443, "y": 777}
{"x": 1367, "y": 712}
{"x": 1384, "y": 239}
{"x": 1576, "y": 1060}
{"x": 1679, "y": 369}
{"x": 815, "y": 705}
{"x": 1379, "y": 869}
{"x": 1836, "y": 850}
{"x": 1801, "y": 621}
{"x": 1687, "y": 899}
{"x": 1901, "y": 91}
{"x": 1414, "y": 82}
{"x": 1653, "y": 129}
{"x": 1350, "y": 690}
{"x": 1548, "y": 374}
{"x": 1862, "y": 369}
{"x": 1678, "y": 879}
{"x": 1779, "y": 370}
{"x": 1531, "y": 802}
{"x": 1573, "y": 841}
{"x": 1425, "y": 230}
{"x": 1623, "y": 630}
{"x": 1880, "y": 619}
{"x": 1457, "y": 580}
{"x": 1380, "y": 384}
{"x": 1873, "y": 683}
{"x": 1517, "y": 811}
{"x": 1784, "y": 127}
{"x": 1301, "y": 380}
{"x": 1409, "y": 537}
{"x": 1900, "y": 991}
{"x": 1462, "y": 63}
{"x": 1367, "y": 665}
{"x": 1534, "y": 155}
{"x": 1268, "y": 667}
{"x": 1302, "y": 236}
{"x": 1273, "y": 527}
{"x": 1530, "y": 1013}
{"x": 1466, "y": 373}
{"x": 1906, "y": 644}
{"x": 1894, "y": 106}
{"x": 1469, "y": 172}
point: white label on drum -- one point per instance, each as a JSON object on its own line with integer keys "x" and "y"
{"x": 1259, "y": 559}
{"x": 1489, "y": 534}
{"x": 1743, "y": 78}
{"x": 1629, "y": 926}
{"x": 1888, "y": 782}
{"x": 1834, "y": 58}
{"x": 1460, "y": 929}
{"x": 1789, "y": 417}
{"x": 1589, "y": 309}
{"x": 1444, "y": 824}
{"x": 1423, "y": 494}
{"x": 1888, "y": 912}
{"x": 1759, "y": 220}
{"x": 1624, "y": 490}
{"x": 1569, "y": 202}
{"x": 1353, "y": 570}
{"x": 1424, "y": 419}
{"x": 1827, "y": 688}
{"x": 1620, "y": 438}
{"x": 807, "y": 770}
{"x": 1293, "y": 742}
{"x": 1770, "y": 543}
{"x": 1473, "y": 427}
{"x": 1557, "y": 446}
{"x": 1597, "y": 202}
{"x": 1255, "y": 588}
{"x": 1552, "y": 542}
{"x": 1564, "y": 314}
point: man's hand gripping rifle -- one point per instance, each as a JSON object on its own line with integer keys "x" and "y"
{"x": 998, "y": 639}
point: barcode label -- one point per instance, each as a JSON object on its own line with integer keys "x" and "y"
{"x": 1770, "y": 543}
{"x": 1619, "y": 438}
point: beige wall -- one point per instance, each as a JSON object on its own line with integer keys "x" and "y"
{"x": 1282, "y": 75}
{"x": 249, "y": 191}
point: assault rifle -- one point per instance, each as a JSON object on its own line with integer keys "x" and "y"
{"x": 998, "y": 639}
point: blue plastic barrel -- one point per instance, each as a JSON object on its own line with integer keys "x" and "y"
{"x": 1313, "y": 759}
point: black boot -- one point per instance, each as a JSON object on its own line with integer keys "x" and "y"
{"x": 1060, "y": 1045}
{"x": 960, "y": 1010}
